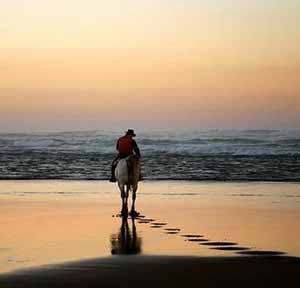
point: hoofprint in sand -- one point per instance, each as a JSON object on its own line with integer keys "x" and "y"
{"x": 56, "y": 221}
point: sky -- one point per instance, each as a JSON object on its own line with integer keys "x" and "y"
{"x": 161, "y": 63}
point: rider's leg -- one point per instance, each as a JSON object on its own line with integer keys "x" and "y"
{"x": 113, "y": 167}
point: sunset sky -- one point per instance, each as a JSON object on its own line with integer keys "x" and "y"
{"x": 161, "y": 63}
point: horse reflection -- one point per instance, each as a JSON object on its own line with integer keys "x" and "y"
{"x": 126, "y": 241}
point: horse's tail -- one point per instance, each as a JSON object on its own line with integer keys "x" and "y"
{"x": 133, "y": 165}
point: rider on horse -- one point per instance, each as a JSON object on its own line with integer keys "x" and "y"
{"x": 126, "y": 146}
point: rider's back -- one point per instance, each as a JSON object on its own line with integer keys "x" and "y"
{"x": 125, "y": 145}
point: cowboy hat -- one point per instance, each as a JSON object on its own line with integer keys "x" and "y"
{"x": 130, "y": 132}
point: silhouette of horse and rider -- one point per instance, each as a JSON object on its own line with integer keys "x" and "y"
{"x": 125, "y": 170}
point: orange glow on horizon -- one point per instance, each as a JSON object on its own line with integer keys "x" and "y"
{"x": 220, "y": 62}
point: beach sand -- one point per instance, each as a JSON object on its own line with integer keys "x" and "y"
{"x": 191, "y": 232}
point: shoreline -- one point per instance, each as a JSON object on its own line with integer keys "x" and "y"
{"x": 161, "y": 271}
{"x": 160, "y": 180}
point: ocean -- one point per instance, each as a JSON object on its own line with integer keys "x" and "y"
{"x": 214, "y": 154}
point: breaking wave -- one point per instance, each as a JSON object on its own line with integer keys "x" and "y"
{"x": 267, "y": 155}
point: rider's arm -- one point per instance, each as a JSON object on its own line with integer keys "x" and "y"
{"x": 136, "y": 149}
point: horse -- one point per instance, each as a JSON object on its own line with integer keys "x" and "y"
{"x": 127, "y": 174}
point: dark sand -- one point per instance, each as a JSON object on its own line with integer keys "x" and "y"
{"x": 161, "y": 271}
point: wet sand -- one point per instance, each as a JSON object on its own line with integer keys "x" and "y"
{"x": 238, "y": 229}
{"x": 162, "y": 271}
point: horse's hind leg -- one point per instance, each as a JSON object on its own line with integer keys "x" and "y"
{"x": 127, "y": 194}
{"x": 133, "y": 212}
{"x": 124, "y": 210}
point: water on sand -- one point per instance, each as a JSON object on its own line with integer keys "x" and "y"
{"x": 56, "y": 221}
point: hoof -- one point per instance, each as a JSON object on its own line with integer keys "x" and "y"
{"x": 124, "y": 213}
{"x": 134, "y": 213}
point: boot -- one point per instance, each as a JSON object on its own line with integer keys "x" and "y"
{"x": 113, "y": 177}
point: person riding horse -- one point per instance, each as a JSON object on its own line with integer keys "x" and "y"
{"x": 126, "y": 146}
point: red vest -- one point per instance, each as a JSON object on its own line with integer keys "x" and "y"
{"x": 125, "y": 145}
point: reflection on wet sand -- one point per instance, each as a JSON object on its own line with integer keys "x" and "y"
{"x": 261, "y": 253}
{"x": 126, "y": 241}
{"x": 79, "y": 225}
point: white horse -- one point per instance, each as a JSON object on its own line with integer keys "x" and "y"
{"x": 127, "y": 174}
